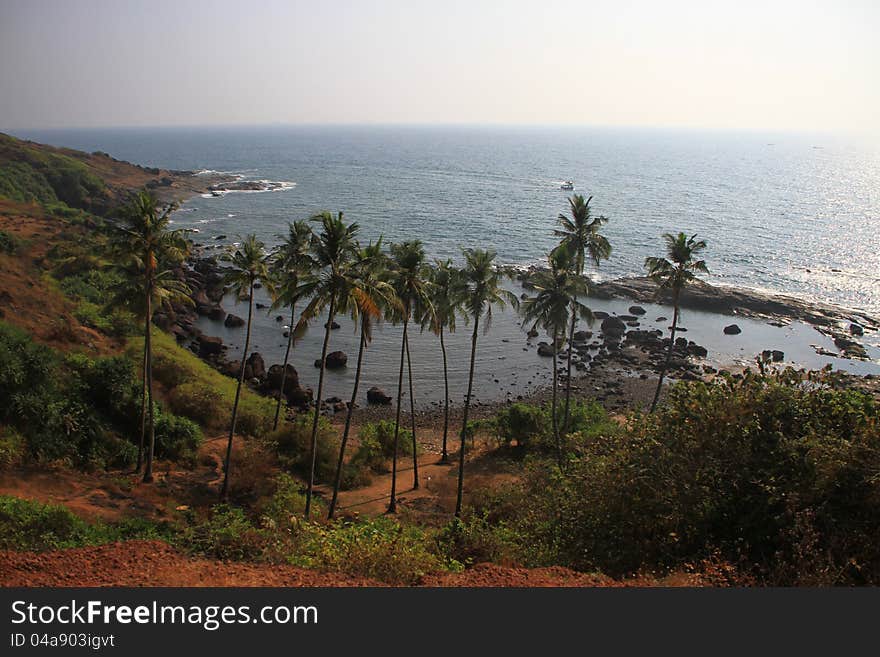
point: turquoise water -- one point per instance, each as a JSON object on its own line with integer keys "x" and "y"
{"x": 785, "y": 213}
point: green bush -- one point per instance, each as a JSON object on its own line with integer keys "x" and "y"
{"x": 226, "y": 533}
{"x": 293, "y": 443}
{"x": 33, "y": 526}
{"x": 379, "y": 548}
{"x": 12, "y": 447}
{"x": 377, "y": 446}
{"x": 201, "y": 393}
{"x": 200, "y": 404}
{"x": 176, "y": 437}
{"x": 529, "y": 426}
{"x": 777, "y": 476}
{"x": 8, "y": 243}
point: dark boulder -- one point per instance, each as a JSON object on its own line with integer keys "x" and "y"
{"x": 533, "y": 333}
{"x": 233, "y": 321}
{"x": 545, "y": 349}
{"x": 299, "y": 397}
{"x": 333, "y": 326}
{"x": 232, "y": 368}
{"x": 662, "y": 319}
{"x": 376, "y": 395}
{"x": 856, "y": 329}
{"x": 582, "y": 336}
{"x": 255, "y": 367}
{"x": 732, "y": 329}
{"x": 273, "y": 377}
{"x": 600, "y": 314}
{"x": 335, "y": 360}
{"x": 209, "y": 345}
{"x": 636, "y": 310}
{"x": 613, "y": 327}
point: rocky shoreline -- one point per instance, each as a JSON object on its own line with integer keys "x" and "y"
{"x": 616, "y": 363}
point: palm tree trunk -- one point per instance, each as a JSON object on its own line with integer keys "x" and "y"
{"x": 392, "y": 506}
{"x": 357, "y": 380}
{"x": 284, "y": 368}
{"x": 412, "y": 417}
{"x": 668, "y": 353}
{"x": 444, "y": 455}
{"x": 148, "y": 347}
{"x": 140, "y": 459}
{"x": 224, "y": 490}
{"x": 568, "y": 374}
{"x": 553, "y": 403}
{"x": 467, "y": 406}
{"x": 314, "y": 444}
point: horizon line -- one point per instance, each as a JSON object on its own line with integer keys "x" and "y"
{"x": 447, "y": 124}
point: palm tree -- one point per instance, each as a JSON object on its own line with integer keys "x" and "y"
{"x": 412, "y": 289}
{"x": 291, "y": 267}
{"x": 557, "y": 291}
{"x": 580, "y": 236}
{"x": 445, "y": 300}
{"x": 332, "y": 250}
{"x": 480, "y": 291}
{"x": 144, "y": 244}
{"x": 673, "y": 273}
{"x": 248, "y": 264}
{"x": 369, "y": 295}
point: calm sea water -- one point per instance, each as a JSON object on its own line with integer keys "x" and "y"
{"x": 793, "y": 214}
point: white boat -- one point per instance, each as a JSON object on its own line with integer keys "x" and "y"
{"x": 567, "y": 185}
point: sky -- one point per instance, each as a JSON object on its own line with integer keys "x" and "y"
{"x": 745, "y": 65}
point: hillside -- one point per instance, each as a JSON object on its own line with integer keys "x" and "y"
{"x": 95, "y": 182}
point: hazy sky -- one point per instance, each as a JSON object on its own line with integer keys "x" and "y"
{"x": 770, "y": 64}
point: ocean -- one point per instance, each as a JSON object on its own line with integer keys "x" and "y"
{"x": 793, "y": 214}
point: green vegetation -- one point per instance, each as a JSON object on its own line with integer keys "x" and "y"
{"x": 74, "y": 408}
{"x": 29, "y": 173}
{"x": 776, "y": 476}
{"x": 32, "y": 526}
{"x": 197, "y": 391}
{"x": 9, "y": 244}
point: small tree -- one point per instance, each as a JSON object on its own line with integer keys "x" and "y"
{"x": 557, "y": 291}
{"x": 481, "y": 290}
{"x": 674, "y": 272}
{"x": 248, "y": 264}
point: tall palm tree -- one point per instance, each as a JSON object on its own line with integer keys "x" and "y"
{"x": 291, "y": 266}
{"x": 408, "y": 278}
{"x": 445, "y": 300}
{"x": 332, "y": 250}
{"x": 580, "y": 236}
{"x": 248, "y": 265}
{"x": 556, "y": 293}
{"x": 369, "y": 296}
{"x": 168, "y": 292}
{"x": 480, "y": 290}
{"x": 144, "y": 245}
{"x": 678, "y": 269}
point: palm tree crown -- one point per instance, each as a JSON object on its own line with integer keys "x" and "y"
{"x": 580, "y": 233}
{"x": 679, "y": 267}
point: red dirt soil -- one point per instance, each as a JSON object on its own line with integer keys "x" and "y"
{"x": 153, "y": 563}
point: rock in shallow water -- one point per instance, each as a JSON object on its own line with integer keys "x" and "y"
{"x": 732, "y": 329}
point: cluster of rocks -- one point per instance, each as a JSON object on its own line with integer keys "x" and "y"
{"x": 205, "y": 280}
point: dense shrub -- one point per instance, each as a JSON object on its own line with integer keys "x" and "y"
{"x": 33, "y": 526}
{"x": 777, "y": 476}
{"x": 531, "y": 427}
{"x": 377, "y": 446}
{"x": 8, "y": 243}
{"x": 201, "y": 393}
{"x": 176, "y": 437}
{"x": 80, "y": 410}
{"x": 293, "y": 442}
